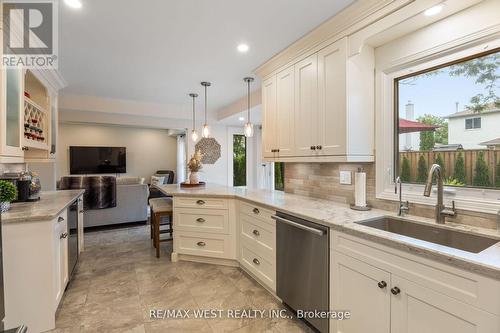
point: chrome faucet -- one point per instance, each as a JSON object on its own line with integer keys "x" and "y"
{"x": 404, "y": 207}
{"x": 441, "y": 210}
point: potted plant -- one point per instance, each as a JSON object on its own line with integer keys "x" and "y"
{"x": 8, "y": 193}
{"x": 194, "y": 166}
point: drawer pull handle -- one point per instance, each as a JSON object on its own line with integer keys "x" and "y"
{"x": 201, "y": 244}
{"x": 395, "y": 290}
{"x": 60, "y": 219}
{"x": 382, "y": 284}
{"x": 201, "y": 220}
{"x": 256, "y": 261}
{"x": 82, "y": 211}
{"x": 200, "y": 202}
{"x": 256, "y": 232}
{"x": 256, "y": 211}
{"x": 63, "y": 235}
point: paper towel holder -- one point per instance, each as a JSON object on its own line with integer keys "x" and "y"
{"x": 354, "y": 207}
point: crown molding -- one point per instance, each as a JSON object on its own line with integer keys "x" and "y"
{"x": 350, "y": 20}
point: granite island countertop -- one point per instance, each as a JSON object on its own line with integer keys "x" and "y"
{"x": 340, "y": 217}
{"x": 50, "y": 205}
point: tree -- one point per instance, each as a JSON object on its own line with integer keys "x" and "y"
{"x": 459, "y": 172}
{"x": 429, "y": 138}
{"x": 481, "y": 177}
{"x": 239, "y": 160}
{"x": 497, "y": 181}
{"x": 439, "y": 160}
{"x": 405, "y": 170}
{"x": 422, "y": 170}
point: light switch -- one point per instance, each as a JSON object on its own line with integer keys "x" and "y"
{"x": 345, "y": 178}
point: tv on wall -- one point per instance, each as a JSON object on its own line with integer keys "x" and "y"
{"x": 96, "y": 160}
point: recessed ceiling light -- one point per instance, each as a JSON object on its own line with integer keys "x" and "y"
{"x": 434, "y": 10}
{"x": 73, "y": 3}
{"x": 241, "y": 118}
{"x": 243, "y": 48}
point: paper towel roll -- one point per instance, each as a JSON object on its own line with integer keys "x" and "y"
{"x": 360, "y": 189}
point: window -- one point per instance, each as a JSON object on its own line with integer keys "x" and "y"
{"x": 436, "y": 111}
{"x": 473, "y": 123}
{"x": 239, "y": 160}
{"x": 279, "y": 176}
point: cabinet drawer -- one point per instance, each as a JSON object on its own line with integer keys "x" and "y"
{"x": 464, "y": 286}
{"x": 200, "y": 244}
{"x": 257, "y": 211}
{"x": 263, "y": 269}
{"x": 261, "y": 236}
{"x": 201, "y": 220}
{"x": 198, "y": 202}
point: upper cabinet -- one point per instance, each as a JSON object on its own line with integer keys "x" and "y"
{"x": 28, "y": 114}
{"x": 323, "y": 108}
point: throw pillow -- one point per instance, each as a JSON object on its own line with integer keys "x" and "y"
{"x": 155, "y": 181}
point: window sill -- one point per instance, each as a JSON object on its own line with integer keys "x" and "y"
{"x": 482, "y": 201}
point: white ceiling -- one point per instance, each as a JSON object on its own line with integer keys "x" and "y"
{"x": 158, "y": 51}
{"x": 240, "y": 118}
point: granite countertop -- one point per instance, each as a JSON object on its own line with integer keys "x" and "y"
{"x": 340, "y": 217}
{"x": 51, "y": 204}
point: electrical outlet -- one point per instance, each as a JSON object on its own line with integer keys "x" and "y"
{"x": 345, "y": 178}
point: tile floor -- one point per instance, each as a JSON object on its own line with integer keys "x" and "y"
{"x": 119, "y": 280}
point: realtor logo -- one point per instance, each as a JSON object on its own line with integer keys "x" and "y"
{"x": 29, "y": 34}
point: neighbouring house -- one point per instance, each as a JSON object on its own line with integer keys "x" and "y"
{"x": 473, "y": 130}
{"x": 492, "y": 144}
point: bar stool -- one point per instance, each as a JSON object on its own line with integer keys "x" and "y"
{"x": 160, "y": 207}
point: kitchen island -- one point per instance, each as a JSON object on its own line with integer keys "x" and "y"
{"x": 37, "y": 243}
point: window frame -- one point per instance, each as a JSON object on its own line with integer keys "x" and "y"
{"x": 387, "y": 115}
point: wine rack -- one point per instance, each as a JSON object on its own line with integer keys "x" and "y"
{"x": 35, "y": 125}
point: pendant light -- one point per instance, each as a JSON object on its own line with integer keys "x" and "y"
{"x": 248, "y": 126}
{"x": 206, "y": 130}
{"x": 194, "y": 134}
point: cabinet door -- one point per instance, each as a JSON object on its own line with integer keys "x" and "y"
{"x": 285, "y": 98}
{"x": 306, "y": 106}
{"x": 269, "y": 124}
{"x": 57, "y": 263}
{"x": 355, "y": 289}
{"x": 332, "y": 96}
{"x": 12, "y": 113}
{"x": 418, "y": 309}
{"x": 63, "y": 238}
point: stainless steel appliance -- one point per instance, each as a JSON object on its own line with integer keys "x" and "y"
{"x": 72, "y": 236}
{"x": 302, "y": 266}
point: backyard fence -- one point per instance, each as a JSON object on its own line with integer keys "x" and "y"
{"x": 491, "y": 157}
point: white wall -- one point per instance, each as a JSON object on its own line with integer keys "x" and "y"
{"x": 471, "y": 138}
{"x": 148, "y": 149}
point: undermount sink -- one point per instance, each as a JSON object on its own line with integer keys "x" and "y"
{"x": 433, "y": 234}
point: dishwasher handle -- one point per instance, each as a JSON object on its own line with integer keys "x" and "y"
{"x": 298, "y": 225}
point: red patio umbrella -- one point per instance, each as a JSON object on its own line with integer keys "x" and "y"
{"x": 410, "y": 126}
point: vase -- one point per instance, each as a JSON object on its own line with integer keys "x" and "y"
{"x": 4, "y": 206}
{"x": 193, "y": 178}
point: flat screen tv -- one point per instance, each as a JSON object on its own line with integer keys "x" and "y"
{"x": 96, "y": 160}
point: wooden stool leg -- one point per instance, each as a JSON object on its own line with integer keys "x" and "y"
{"x": 157, "y": 234}
{"x": 151, "y": 224}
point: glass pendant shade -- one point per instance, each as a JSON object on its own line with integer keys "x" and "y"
{"x": 206, "y": 131}
{"x": 194, "y": 135}
{"x": 248, "y": 130}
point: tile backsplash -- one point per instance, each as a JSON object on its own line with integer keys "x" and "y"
{"x": 322, "y": 180}
{"x": 7, "y": 167}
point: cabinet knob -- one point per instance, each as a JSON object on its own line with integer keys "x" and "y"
{"x": 200, "y": 202}
{"x": 319, "y": 147}
{"x": 256, "y": 211}
{"x": 201, "y": 220}
{"x": 313, "y": 148}
{"x": 256, "y": 261}
{"x": 63, "y": 235}
{"x": 256, "y": 232}
{"x": 60, "y": 219}
{"x": 382, "y": 284}
{"x": 395, "y": 290}
{"x": 201, "y": 244}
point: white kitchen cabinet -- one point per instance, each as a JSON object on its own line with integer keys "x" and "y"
{"x": 418, "y": 295}
{"x": 285, "y": 100}
{"x": 306, "y": 106}
{"x": 11, "y": 119}
{"x": 327, "y": 115}
{"x": 332, "y": 108}
{"x": 269, "y": 121}
{"x": 356, "y": 289}
{"x": 419, "y": 309}
{"x": 60, "y": 243}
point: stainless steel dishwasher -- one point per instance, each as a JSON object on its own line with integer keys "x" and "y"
{"x": 302, "y": 266}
